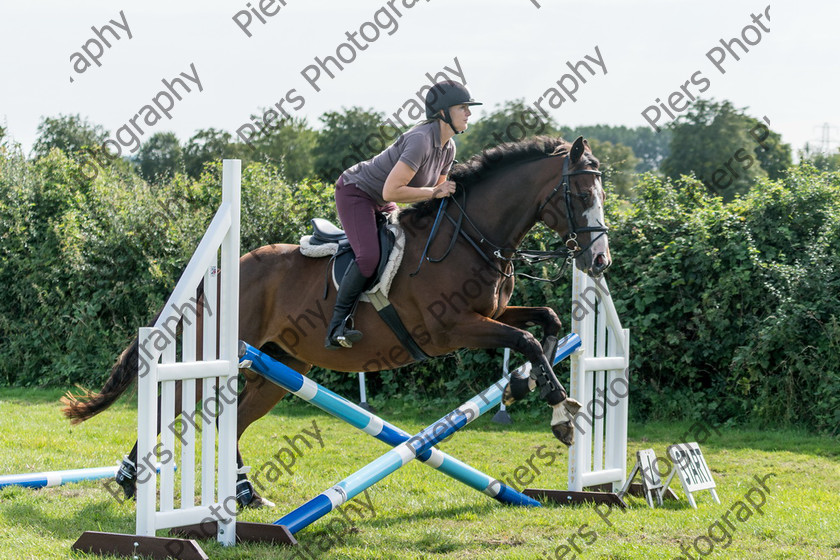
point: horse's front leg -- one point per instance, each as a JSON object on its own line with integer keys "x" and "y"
{"x": 482, "y": 332}
{"x": 543, "y": 317}
{"x": 522, "y": 318}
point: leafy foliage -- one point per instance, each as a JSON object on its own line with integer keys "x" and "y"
{"x": 348, "y": 137}
{"x": 508, "y": 122}
{"x": 87, "y": 261}
{"x": 618, "y": 164}
{"x": 287, "y": 144}
{"x": 720, "y": 145}
{"x": 729, "y": 304}
{"x": 821, "y": 160}
{"x": 649, "y": 147}
{"x": 210, "y": 145}
{"x": 160, "y": 157}
{"x": 68, "y": 133}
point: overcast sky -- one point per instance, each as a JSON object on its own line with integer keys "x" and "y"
{"x": 505, "y": 50}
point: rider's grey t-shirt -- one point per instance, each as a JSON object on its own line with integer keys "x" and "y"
{"x": 419, "y": 148}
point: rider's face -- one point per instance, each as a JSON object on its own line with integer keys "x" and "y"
{"x": 459, "y": 115}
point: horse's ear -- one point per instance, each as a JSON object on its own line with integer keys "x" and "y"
{"x": 577, "y": 149}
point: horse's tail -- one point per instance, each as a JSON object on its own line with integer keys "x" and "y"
{"x": 87, "y": 405}
{"x": 81, "y": 407}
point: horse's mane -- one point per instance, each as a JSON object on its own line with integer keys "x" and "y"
{"x": 491, "y": 161}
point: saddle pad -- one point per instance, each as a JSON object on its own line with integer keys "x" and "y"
{"x": 383, "y": 285}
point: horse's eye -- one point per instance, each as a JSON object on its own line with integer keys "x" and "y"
{"x": 584, "y": 197}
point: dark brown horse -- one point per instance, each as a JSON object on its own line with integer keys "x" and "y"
{"x": 459, "y": 302}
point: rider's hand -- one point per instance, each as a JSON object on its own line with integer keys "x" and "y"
{"x": 444, "y": 189}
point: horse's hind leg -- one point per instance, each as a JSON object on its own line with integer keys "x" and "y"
{"x": 256, "y": 399}
{"x": 127, "y": 474}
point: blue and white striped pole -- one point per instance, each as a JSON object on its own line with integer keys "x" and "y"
{"x": 375, "y": 426}
{"x": 57, "y": 478}
{"x": 407, "y": 447}
{"x": 391, "y": 461}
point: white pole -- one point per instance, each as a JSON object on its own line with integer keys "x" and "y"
{"x": 363, "y": 392}
{"x": 503, "y": 417}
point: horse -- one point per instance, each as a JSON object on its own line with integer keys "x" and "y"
{"x": 460, "y": 301}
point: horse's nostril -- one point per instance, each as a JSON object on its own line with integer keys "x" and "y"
{"x": 600, "y": 262}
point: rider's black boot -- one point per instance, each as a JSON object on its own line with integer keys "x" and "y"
{"x": 352, "y": 285}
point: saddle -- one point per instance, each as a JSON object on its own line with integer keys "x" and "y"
{"x": 329, "y": 241}
{"x": 333, "y": 242}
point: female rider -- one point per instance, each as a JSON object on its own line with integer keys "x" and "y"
{"x": 412, "y": 169}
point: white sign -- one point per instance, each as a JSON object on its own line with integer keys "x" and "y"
{"x": 691, "y": 467}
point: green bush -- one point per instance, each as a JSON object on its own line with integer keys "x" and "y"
{"x": 85, "y": 262}
{"x": 732, "y": 307}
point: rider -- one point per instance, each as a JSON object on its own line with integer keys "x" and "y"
{"x": 412, "y": 169}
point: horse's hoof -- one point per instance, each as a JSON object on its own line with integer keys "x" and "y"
{"x": 561, "y": 420}
{"x": 516, "y": 389}
{"x": 260, "y": 502}
{"x": 247, "y": 497}
{"x": 564, "y": 432}
{"x": 572, "y": 406}
{"x": 127, "y": 478}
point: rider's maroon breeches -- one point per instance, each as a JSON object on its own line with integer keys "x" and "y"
{"x": 357, "y": 212}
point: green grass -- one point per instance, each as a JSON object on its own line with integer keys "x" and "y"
{"x": 421, "y": 514}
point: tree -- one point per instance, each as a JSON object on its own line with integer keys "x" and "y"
{"x": 209, "y": 145}
{"x": 819, "y": 159}
{"x": 160, "y": 157}
{"x": 68, "y": 133}
{"x": 511, "y": 121}
{"x": 348, "y": 137}
{"x": 773, "y": 155}
{"x": 286, "y": 144}
{"x": 618, "y": 165}
{"x": 648, "y": 146}
{"x": 720, "y": 145}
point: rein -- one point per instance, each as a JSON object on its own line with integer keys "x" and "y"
{"x": 569, "y": 251}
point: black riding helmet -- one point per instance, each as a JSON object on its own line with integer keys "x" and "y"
{"x": 444, "y": 95}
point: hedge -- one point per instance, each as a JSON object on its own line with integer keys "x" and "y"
{"x": 733, "y": 308}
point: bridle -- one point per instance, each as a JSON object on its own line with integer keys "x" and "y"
{"x": 570, "y": 250}
{"x": 570, "y": 243}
